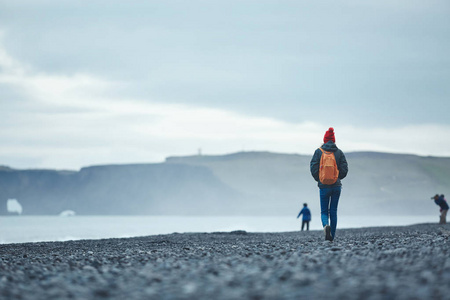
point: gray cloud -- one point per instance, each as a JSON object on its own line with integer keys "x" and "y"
{"x": 381, "y": 66}
{"x": 285, "y": 59}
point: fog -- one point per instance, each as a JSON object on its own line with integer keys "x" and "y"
{"x": 111, "y": 82}
{"x": 107, "y": 90}
{"x": 245, "y": 183}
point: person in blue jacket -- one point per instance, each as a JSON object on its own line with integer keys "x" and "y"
{"x": 306, "y": 216}
{"x": 440, "y": 200}
{"x": 329, "y": 194}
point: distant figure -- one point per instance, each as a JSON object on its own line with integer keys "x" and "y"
{"x": 440, "y": 200}
{"x": 328, "y": 166}
{"x": 306, "y": 216}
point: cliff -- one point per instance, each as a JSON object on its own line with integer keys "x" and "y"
{"x": 256, "y": 183}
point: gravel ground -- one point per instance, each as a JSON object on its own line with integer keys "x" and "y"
{"x": 409, "y": 262}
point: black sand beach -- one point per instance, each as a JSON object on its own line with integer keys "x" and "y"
{"x": 411, "y": 262}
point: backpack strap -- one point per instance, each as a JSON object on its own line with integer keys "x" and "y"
{"x": 323, "y": 151}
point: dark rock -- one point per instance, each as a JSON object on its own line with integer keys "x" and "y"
{"x": 372, "y": 263}
{"x": 241, "y": 232}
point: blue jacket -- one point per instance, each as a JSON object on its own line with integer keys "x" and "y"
{"x": 442, "y": 203}
{"x": 306, "y": 214}
{"x": 341, "y": 163}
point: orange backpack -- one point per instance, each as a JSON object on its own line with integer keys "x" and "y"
{"x": 328, "y": 172}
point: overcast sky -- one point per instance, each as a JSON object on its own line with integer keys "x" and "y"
{"x": 97, "y": 82}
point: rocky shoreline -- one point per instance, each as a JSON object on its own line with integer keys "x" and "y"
{"x": 410, "y": 262}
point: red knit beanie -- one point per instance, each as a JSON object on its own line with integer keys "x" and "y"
{"x": 329, "y": 136}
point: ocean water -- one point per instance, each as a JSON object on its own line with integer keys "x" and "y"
{"x": 21, "y": 229}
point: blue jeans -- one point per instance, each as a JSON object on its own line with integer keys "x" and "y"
{"x": 329, "y": 199}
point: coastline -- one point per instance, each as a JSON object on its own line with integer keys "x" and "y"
{"x": 401, "y": 262}
{"x": 22, "y": 229}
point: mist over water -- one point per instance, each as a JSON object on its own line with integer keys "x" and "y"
{"x": 21, "y": 229}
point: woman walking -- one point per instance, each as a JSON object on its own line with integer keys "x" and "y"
{"x": 328, "y": 167}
